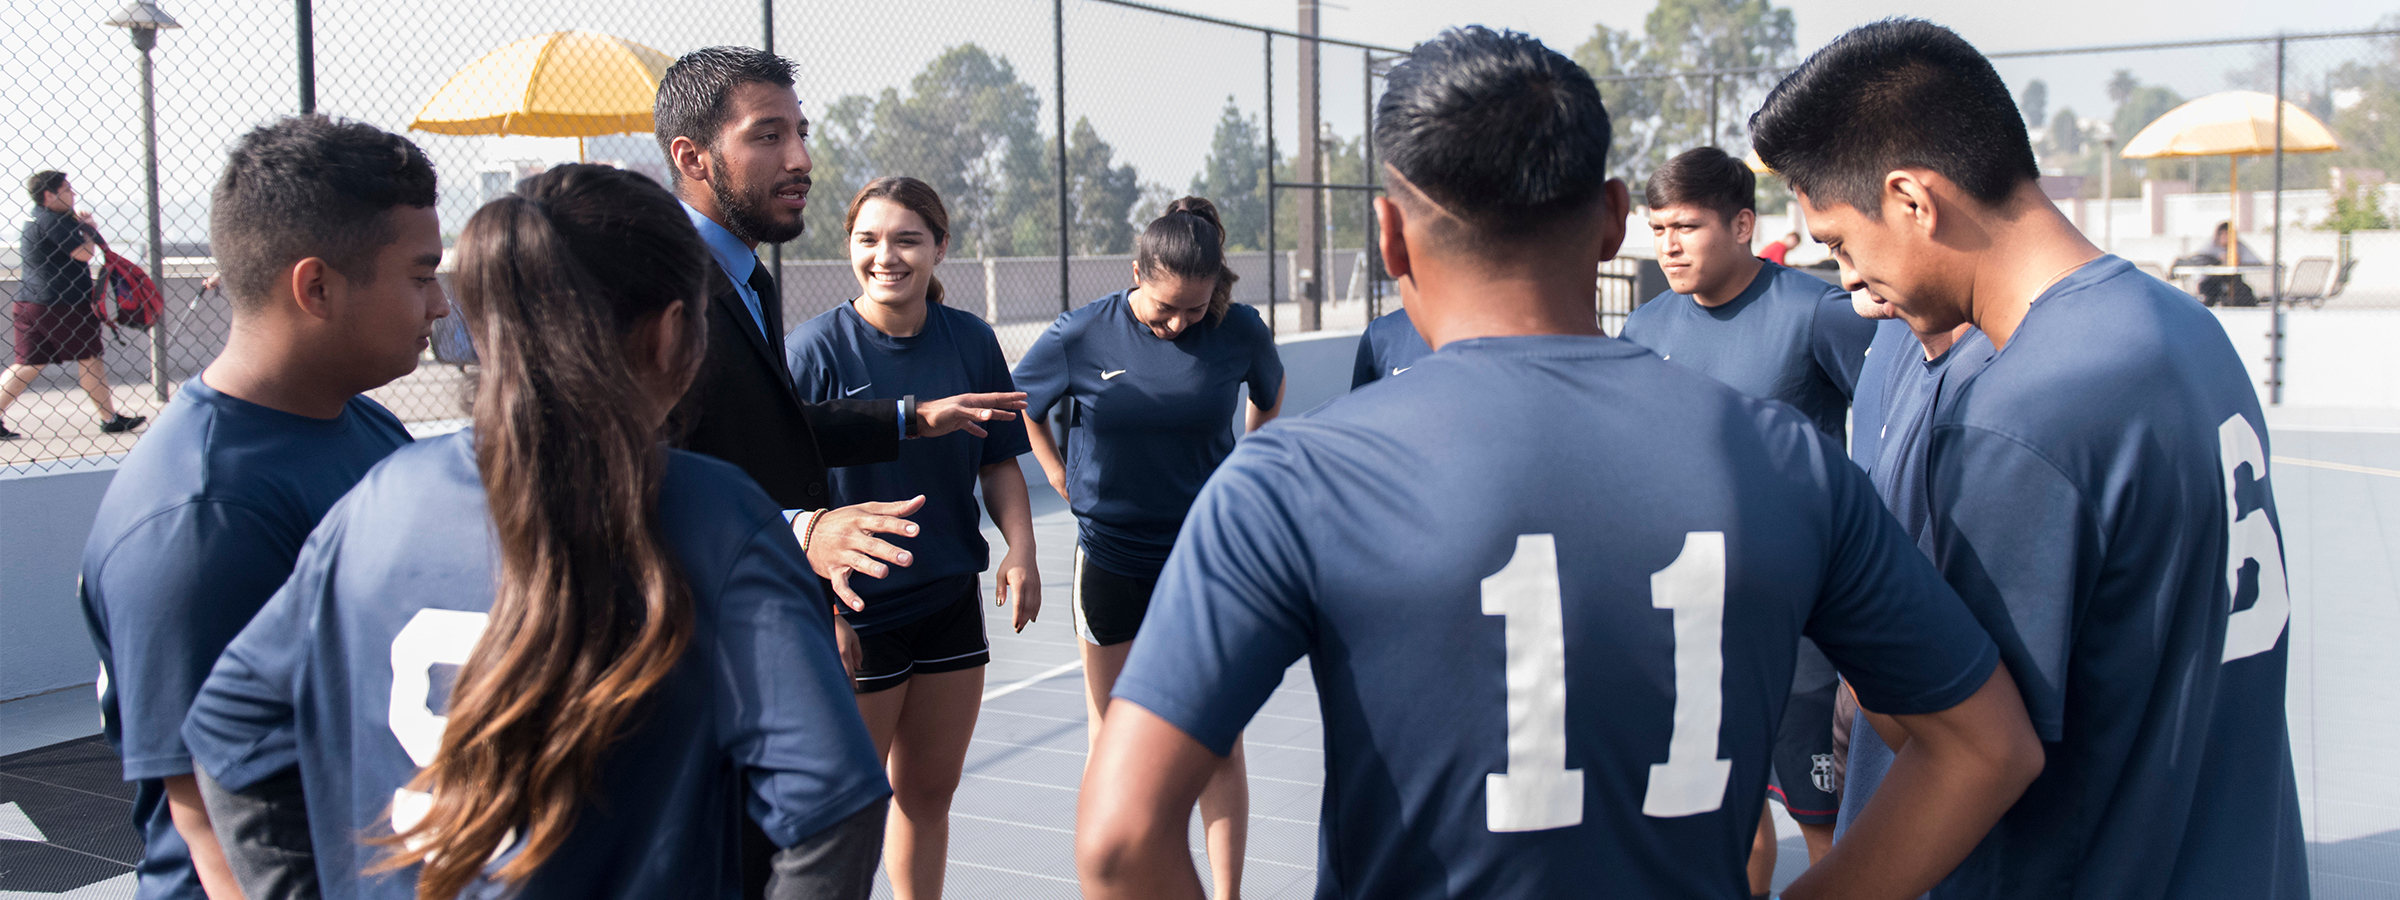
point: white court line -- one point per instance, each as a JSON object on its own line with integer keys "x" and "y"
{"x": 961, "y": 862}
{"x": 2338, "y": 467}
{"x": 2336, "y": 429}
{"x": 1047, "y": 674}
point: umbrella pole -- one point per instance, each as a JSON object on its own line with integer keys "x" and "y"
{"x": 2233, "y": 218}
{"x": 579, "y": 156}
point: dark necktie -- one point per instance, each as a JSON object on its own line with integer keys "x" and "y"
{"x": 770, "y": 308}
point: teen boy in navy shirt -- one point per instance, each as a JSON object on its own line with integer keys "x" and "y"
{"x": 327, "y": 241}
{"x": 1390, "y": 345}
{"x": 2098, "y": 494}
{"x": 1550, "y": 590}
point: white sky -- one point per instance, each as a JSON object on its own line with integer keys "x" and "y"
{"x": 1151, "y": 85}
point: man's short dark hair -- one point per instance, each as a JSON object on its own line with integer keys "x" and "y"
{"x": 1705, "y": 177}
{"x": 1501, "y": 131}
{"x": 1896, "y": 94}
{"x": 44, "y": 182}
{"x": 691, "y": 95}
{"x": 311, "y": 186}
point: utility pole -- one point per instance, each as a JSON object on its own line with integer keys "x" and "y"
{"x": 304, "y": 18}
{"x": 1311, "y": 206}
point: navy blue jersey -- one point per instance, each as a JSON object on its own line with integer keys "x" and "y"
{"x": 1390, "y": 345}
{"x": 2100, "y": 499}
{"x": 1551, "y": 592}
{"x": 197, "y": 530}
{"x": 1893, "y": 346}
{"x": 347, "y": 672}
{"x": 838, "y": 356}
{"x": 1148, "y": 419}
{"x": 1908, "y": 391}
{"x": 1789, "y": 336}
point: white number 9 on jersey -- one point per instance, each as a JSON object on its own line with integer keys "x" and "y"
{"x": 1539, "y": 792}
{"x": 433, "y": 637}
{"x": 2250, "y": 538}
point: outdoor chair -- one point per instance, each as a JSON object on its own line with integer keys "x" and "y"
{"x": 2315, "y": 280}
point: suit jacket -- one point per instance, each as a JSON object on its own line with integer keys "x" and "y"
{"x": 742, "y": 408}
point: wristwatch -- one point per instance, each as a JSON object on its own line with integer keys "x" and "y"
{"x": 908, "y": 415}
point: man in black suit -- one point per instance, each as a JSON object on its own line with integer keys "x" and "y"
{"x": 736, "y": 142}
{"x": 735, "y": 139}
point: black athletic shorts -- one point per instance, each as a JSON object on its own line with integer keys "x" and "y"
{"x": 1805, "y": 777}
{"x": 1108, "y": 606}
{"x": 946, "y": 640}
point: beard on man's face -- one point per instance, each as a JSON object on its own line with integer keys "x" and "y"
{"x": 749, "y": 210}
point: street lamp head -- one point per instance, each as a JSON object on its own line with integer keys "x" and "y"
{"x": 142, "y": 20}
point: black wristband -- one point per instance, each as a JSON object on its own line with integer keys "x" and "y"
{"x": 908, "y": 415}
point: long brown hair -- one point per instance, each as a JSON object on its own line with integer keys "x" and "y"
{"x": 914, "y": 196}
{"x": 1189, "y": 241}
{"x": 589, "y": 612}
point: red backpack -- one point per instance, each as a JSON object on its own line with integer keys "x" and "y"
{"x": 137, "y": 300}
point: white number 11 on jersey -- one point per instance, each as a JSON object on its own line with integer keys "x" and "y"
{"x": 1538, "y": 791}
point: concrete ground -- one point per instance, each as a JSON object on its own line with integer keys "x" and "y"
{"x": 2337, "y": 483}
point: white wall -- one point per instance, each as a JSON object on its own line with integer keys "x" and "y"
{"x": 43, "y": 522}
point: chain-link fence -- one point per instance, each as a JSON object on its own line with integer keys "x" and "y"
{"x": 969, "y": 98}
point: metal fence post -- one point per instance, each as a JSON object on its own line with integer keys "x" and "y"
{"x": 2275, "y": 260}
{"x": 766, "y": 39}
{"x": 1269, "y": 178}
{"x": 1366, "y": 175}
{"x": 1058, "y": 21}
{"x": 305, "y": 39}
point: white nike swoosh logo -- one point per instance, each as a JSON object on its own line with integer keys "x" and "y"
{"x": 853, "y": 392}
{"x": 1399, "y": 369}
{"x": 1104, "y": 376}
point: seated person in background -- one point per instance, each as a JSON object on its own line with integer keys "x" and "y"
{"x": 2224, "y": 290}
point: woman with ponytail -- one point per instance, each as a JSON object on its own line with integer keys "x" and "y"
{"x": 1147, "y": 380}
{"x": 546, "y": 655}
{"x": 917, "y": 650}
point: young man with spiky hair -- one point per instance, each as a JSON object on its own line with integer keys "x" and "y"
{"x": 2098, "y": 493}
{"x": 327, "y": 241}
{"x": 1551, "y": 590}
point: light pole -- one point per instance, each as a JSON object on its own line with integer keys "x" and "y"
{"x": 142, "y": 20}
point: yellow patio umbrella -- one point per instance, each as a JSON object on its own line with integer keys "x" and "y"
{"x": 2231, "y": 124}
{"x": 574, "y": 84}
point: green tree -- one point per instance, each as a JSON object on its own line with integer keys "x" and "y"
{"x": 1103, "y": 194}
{"x": 969, "y": 128}
{"x": 1233, "y": 176}
{"x": 2066, "y": 134}
{"x": 1656, "y": 118}
{"x": 837, "y": 145}
{"x": 2034, "y": 102}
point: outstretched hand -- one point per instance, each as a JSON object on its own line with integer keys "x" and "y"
{"x": 845, "y": 542}
{"x": 939, "y": 417}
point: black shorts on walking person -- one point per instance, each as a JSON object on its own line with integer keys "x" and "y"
{"x": 1108, "y": 606}
{"x": 949, "y": 639}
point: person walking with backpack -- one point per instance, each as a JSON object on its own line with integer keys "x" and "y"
{"x": 56, "y": 320}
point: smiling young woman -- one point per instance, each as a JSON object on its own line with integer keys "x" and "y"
{"x": 1150, "y": 377}
{"x": 917, "y": 650}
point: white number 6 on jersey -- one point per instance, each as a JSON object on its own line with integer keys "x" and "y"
{"x": 2255, "y": 630}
